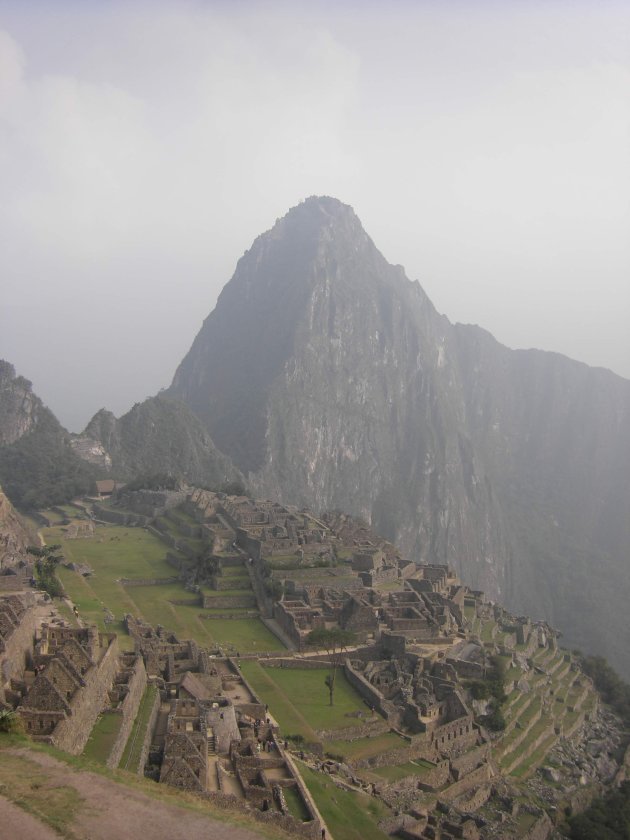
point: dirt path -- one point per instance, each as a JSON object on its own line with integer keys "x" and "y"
{"x": 111, "y": 810}
{"x": 16, "y": 823}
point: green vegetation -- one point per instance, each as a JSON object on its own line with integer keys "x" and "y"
{"x": 10, "y": 721}
{"x": 295, "y": 804}
{"x": 28, "y": 785}
{"x": 48, "y": 558}
{"x": 350, "y": 816}
{"x": 288, "y": 716}
{"x": 613, "y": 689}
{"x": 40, "y": 469}
{"x": 133, "y": 748}
{"x": 492, "y": 688}
{"x": 103, "y": 737}
{"x": 36, "y": 789}
{"x": 299, "y": 700}
{"x": 606, "y": 819}
{"x": 419, "y": 767}
{"x": 365, "y": 747}
{"x": 155, "y": 481}
{"x": 335, "y": 642}
{"x": 116, "y": 553}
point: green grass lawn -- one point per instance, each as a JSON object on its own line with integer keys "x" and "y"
{"x": 116, "y": 551}
{"x": 246, "y": 635}
{"x": 411, "y": 768}
{"x": 365, "y": 747}
{"x": 349, "y": 816}
{"x": 296, "y": 806}
{"x": 134, "y": 553}
{"x": 103, "y": 737}
{"x": 298, "y": 698}
{"x": 289, "y": 718}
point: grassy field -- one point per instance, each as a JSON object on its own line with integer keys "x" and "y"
{"x": 366, "y": 747}
{"x": 132, "y": 553}
{"x": 103, "y": 737}
{"x": 350, "y": 816}
{"x": 28, "y": 786}
{"x": 411, "y": 768}
{"x": 299, "y": 700}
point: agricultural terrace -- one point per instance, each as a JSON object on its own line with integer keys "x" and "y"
{"x": 349, "y": 815}
{"x": 116, "y": 553}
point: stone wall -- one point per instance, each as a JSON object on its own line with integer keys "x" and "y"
{"x": 531, "y": 749}
{"x": 471, "y": 803}
{"x": 476, "y": 777}
{"x": 17, "y": 647}
{"x": 308, "y": 664}
{"x": 148, "y": 736}
{"x": 469, "y": 761}
{"x": 14, "y": 583}
{"x": 417, "y": 748}
{"x": 351, "y": 733}
{"x": 148, "y": 581}
{"x": 541, "y": 830}
{"x": 71, "y": 733}
{"x": 129, "y": 710}
{"x": 120, "y": 517}
{"x": 368, "y": 692}
{"x": 294, "y": 828}
{"x": 229, "y": 582}
{"x": 226, "y": 602}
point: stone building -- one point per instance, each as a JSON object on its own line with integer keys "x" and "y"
{"x": 73, "y": 673}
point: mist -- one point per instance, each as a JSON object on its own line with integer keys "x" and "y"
{"x": 144, "y": 146}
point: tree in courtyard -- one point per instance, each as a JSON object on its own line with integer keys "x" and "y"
{"x": 335, "y": 642}
{"x": 48, "y": 558}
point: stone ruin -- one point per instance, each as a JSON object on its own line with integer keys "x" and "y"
{"x": 214, "y": 737}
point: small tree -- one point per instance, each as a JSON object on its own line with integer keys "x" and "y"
{"x": 335, "y": 642}
{"x": 10, "y": 721}
{"x": 48, "y": 558}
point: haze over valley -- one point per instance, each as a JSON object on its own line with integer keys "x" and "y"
{"x": 297, "y": 540}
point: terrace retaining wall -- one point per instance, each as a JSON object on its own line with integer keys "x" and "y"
{"x": 128, "y": 710}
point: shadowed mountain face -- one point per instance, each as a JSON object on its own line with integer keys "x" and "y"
{"x": 156, "y": 436}
{"x": 330, "y": 379}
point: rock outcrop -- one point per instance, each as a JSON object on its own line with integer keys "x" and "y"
{"x": 14, "y": 535}
{"x": 19, "y": 407}
{"x": 159, "y": 435}
{"x": 330, "y": 379}
{"x": 37, "y": 464}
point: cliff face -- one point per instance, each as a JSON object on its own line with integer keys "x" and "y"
{"x": 19, "y": 407}
{"x": 14, "y": 534}
{"x": 156, "y": 436}
{"x": 37, "y": 465}
{"x": 331, "y": 381}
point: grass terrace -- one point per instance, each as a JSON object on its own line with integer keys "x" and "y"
{"x": 418, "y": 767}
{"x": 349, "y": 815}
{"x": 133, "y": 748}
{"x": 298, "y": 698}
{"x": 103, "y": 737}
{"x": 366, "y": 747}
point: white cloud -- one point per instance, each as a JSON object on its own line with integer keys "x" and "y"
{"x": 144, "y": 146}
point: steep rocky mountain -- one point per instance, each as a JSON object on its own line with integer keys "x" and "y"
{"x": 159, "y": 435}
{"x": 37, "y": 464}
{"x": 330, "y": 379}
{"x": 19, "y": 407}
{"x": 15, "y": 535}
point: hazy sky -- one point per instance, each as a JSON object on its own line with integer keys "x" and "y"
{"x": 143, "y": 146}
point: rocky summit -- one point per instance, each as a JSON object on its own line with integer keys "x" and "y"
{"x": 330, "y": 379}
